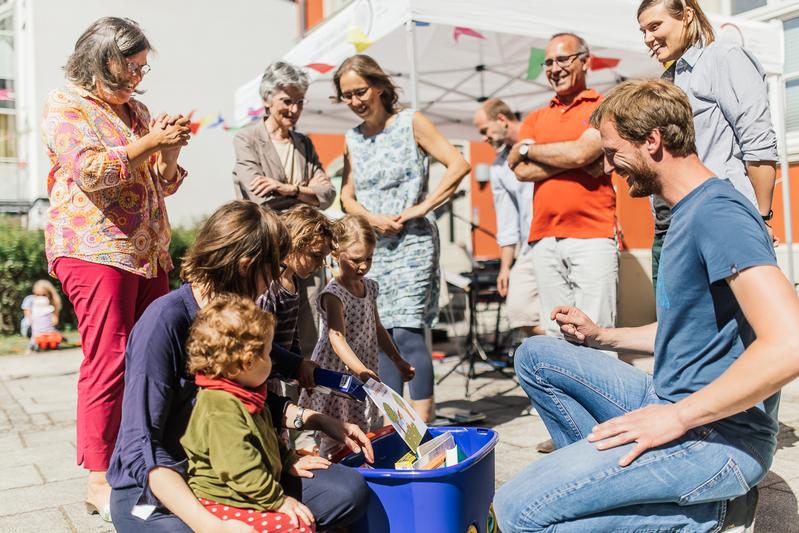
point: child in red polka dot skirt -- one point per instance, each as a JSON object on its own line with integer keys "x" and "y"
{"x": 235, "y": 457}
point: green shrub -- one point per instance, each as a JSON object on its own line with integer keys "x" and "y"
{"x": 182, "y": 238}
{"x": 23, "y": 261}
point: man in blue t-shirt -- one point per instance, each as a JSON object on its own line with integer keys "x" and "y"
{"x": 680, "y": 450}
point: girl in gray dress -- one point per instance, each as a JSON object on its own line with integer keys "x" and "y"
{"x": 385, "y": 180}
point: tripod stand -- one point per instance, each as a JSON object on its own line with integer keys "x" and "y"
{"x": 480, "y": 278}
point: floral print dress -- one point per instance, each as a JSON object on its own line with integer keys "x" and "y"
{"x": 390, "y": 173}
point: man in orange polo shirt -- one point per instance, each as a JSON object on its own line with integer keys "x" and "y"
{"x": 574, "y": 205}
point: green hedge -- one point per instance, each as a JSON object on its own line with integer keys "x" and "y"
{"x": 22, "y": 262}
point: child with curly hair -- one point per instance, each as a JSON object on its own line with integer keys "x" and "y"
{"x": 237, "y": 466}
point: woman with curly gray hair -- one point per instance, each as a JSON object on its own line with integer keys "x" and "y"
{"x": 107, "y": 233}
{"x": 275, "y": 165}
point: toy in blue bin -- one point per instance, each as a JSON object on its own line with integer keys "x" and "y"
{"x": 339, "y": 383}
{"x": 455, "y": 499}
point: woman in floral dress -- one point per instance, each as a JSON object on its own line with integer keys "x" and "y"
{"x": 385, "y": 180}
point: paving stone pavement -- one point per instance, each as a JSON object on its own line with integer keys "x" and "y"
{"x": 42, "y": 490}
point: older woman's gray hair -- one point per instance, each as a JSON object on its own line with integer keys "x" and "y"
{"x": 107, "y": 41}
{"x": 281, "y": 75}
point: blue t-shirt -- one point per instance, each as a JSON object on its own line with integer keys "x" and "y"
{"x": 715, "y": 233}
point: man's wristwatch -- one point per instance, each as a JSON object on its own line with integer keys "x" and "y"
{"x": 523, "y": 149}
{"x": 298, "y": 423}
{"x": 768, "y": 217}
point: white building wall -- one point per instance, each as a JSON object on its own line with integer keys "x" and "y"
{"x": 205, "y": 49}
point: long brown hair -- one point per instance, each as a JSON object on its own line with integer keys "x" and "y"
{"x": 368, "y": 69}
{"x": 238, "y": 230}
{"x": 698, "y": 29}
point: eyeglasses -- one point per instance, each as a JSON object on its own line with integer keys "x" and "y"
{"x": 562, "y": 61}
{"x": 135, "y": 68}
{"x": 357, "y": 93}
{"x": 288, "y": 102}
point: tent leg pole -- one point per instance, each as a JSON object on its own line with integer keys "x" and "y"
{"x": 410, "y": 41}
{"x": 786, "y": 183}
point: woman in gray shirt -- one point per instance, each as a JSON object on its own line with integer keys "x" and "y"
{"x": 729, "y": 97}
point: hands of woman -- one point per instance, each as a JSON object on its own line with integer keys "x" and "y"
{"x": 386, "y": 224}
{"x": 170, "y": 133}
{"x": 304, "y": 465}
{"x": 263, "y": 187}
{"x": 414, "y": 211}
{"x": 349, "y": 434}
{"x": 296, "y": 511}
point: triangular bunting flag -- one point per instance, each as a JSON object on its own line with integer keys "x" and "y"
{"x": 358, "y": 39}
{"x": 460, "y": 30}
{"x": 598, "y": 63}
{"x": 536, "y": 63}
{"x": 320, "y": 67}
{"x": 218, "y": 122}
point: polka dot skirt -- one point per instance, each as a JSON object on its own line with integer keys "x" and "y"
{"x": 263, "y": 522}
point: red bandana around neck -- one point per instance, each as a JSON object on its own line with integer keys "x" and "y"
{"x": 253, "y": 399}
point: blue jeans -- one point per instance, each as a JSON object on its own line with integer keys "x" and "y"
{"x": 682, "y": 486}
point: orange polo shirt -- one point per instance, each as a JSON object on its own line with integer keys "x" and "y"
{"x": 573, "y": 203}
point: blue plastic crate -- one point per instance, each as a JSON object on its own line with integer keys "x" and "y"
{"x": 444, "y": 500}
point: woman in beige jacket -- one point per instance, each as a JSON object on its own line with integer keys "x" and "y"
{"x": 275, "y": 165}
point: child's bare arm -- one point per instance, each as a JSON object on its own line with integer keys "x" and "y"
{"x": 334, "y": 310}
{"x": 385, "y": 341}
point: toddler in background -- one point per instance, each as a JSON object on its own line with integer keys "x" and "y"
{"x": 235, "y": 458}
{"x": 351, "y": 329}
{"x": 40, "y": 315}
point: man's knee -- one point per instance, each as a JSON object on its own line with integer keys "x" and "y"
{"x": 510, "y": 509}
{"x": 533, "y": 352}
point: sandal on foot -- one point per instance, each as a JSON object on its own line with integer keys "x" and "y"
{"x": 105, "y": 512}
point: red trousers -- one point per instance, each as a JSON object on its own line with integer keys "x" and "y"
{"x": 263, "y": 522}
{"x": 107, "y": 302}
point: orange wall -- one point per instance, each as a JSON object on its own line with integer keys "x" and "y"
{"x": 484, "y": 246}
{"x": 314, "y": 12}
{"x": 779, "y": 214}
{"x": 327, "y": 146}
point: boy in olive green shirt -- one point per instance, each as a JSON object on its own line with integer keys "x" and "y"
{"x": 235, "y": 457}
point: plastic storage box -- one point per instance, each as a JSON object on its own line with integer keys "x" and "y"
{"x": 455, "y": 499}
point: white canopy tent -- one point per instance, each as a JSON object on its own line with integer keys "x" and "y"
{"x": 449, "y": 55}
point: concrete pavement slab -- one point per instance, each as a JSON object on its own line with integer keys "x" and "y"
{"x": 47, "y": 521}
